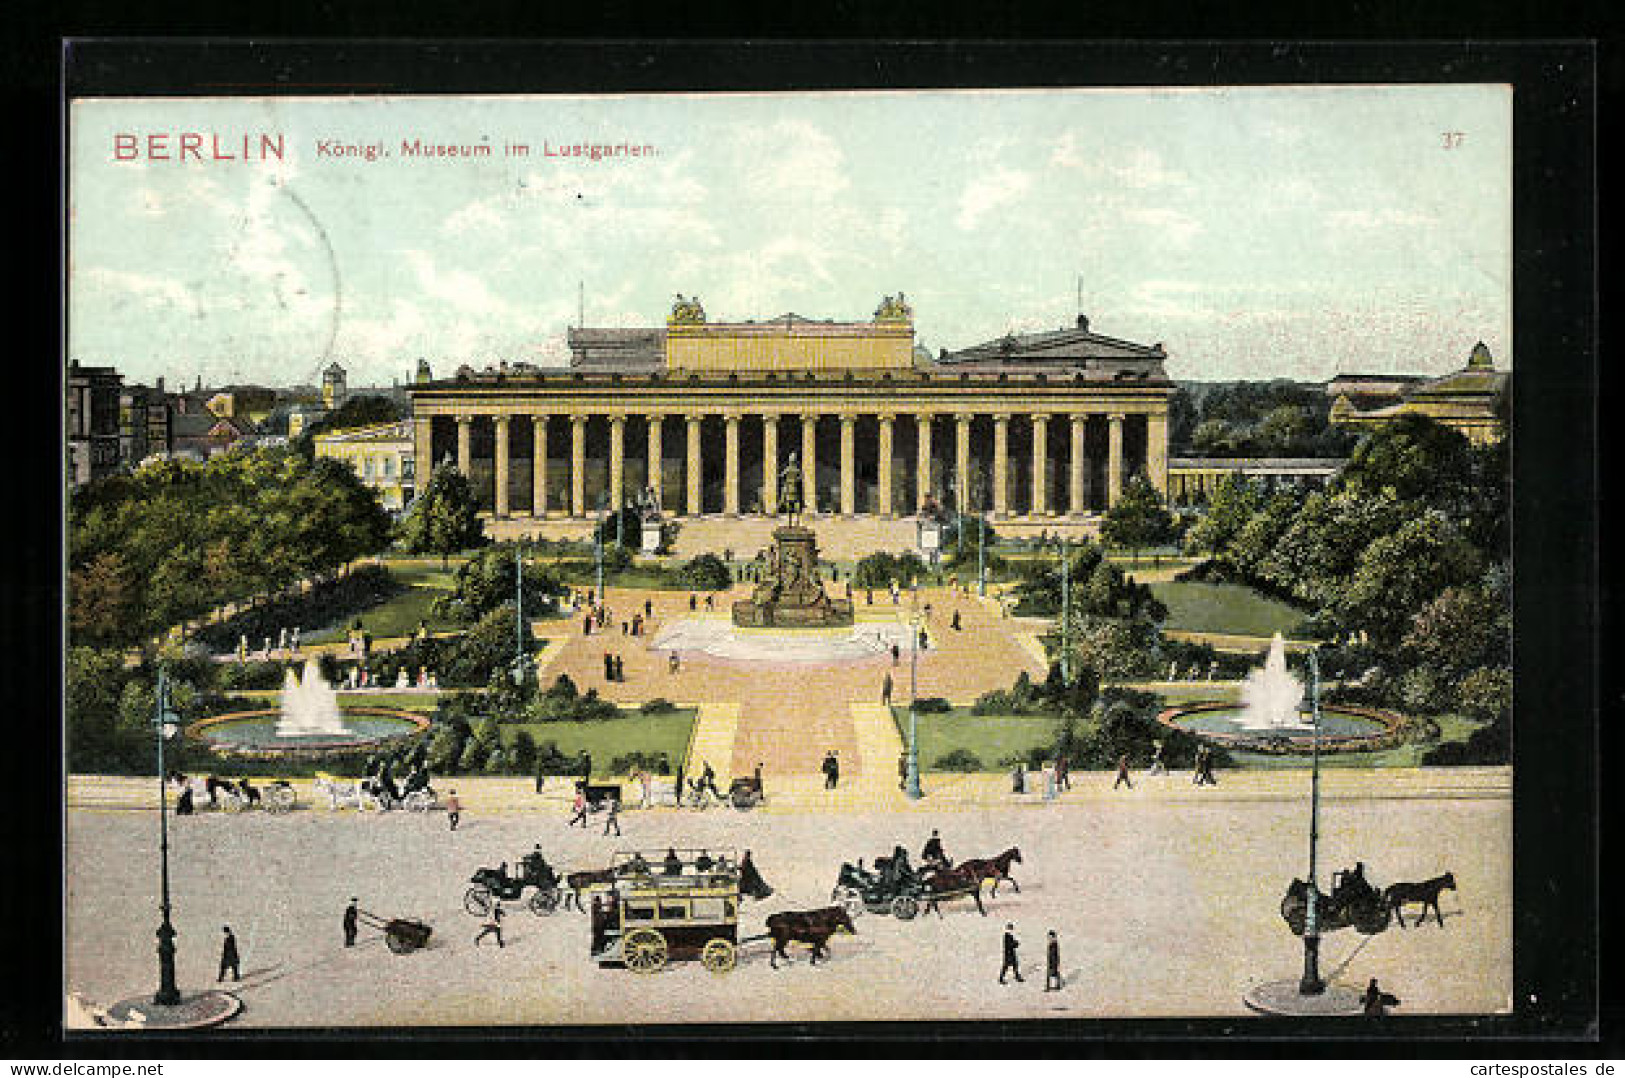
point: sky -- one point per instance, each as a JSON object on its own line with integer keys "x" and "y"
{"x": 1255, "y": 233}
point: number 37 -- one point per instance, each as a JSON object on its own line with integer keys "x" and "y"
{"x": 1452, "y": 139}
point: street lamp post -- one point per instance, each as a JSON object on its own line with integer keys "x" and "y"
{"x": 166, "y": 722}
{"x": 1311, "y": 983}
{"x": 912, "y": 778}
{"x": 979, "y": 491}
{"x": 520, "y": 663}
{"x": 598, "y": 546}
{"x": 1066, "y": 610}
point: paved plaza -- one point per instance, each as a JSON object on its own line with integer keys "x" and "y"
{"x": 1166, "y": 905}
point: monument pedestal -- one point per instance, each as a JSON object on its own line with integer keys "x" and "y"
{"x": 790, "y": 594}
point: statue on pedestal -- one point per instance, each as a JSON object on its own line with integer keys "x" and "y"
{"x": 790, "y": 500}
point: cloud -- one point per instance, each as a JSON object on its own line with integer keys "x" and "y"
{"x": 1367, "y": 220}
{"x": 986, "y": 193}
{"x": 1172, "y": 224}
{"x": 154, "y": 291}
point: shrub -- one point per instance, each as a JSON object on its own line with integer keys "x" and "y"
{"x": 550, "y": 761}
{"x": 1020, "y": 699}
{"x": 932, "y": 705}
{"x": 636, "y": 761}
{"x": 1489, "y": 745}
{"x": 706, "y": 572}
{"x": 329, "y": 602}
{"x": 880, "y": 569}
{"x": 963, "y": 760}
{"x": 523, "y": 751}
{"x": 237, "y": 676}
{"x": 658, "y": 706}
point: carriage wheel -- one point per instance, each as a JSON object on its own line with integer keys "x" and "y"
{"x": 1371, "y": 920}
{"x": 544, "y": 902}
{"x": 397, "y": 942}
{"x": 477, "y": 901}
{"x": 719, "y": 956}
{"x": 744, "y": 802}
{"x": 904, "y": 907}
{"x": 368, "y": 803}
{"x": 279, "y": 799}
{"x": 644, "y": 951}
{"x": 852, "y": 902}
{"x": 417, "y": 801}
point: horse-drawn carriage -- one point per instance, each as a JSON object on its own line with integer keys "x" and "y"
{"x": 745, "y": 793}
{"x": 373, "y": 795}
{"x": 493, "y": 884}
{"x": 893, "y": 887}
{"x": 240, "y": 795}
{"x": 1353, "y": 902}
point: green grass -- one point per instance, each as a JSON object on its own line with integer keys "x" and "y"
{"x": 399, "y": 616}
{"x": 633, "y": 732}
{"x": 991, "y": 737}
{"x": 1224, "y": 608}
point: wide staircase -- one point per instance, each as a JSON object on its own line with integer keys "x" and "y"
{"x": 837, "y": 537}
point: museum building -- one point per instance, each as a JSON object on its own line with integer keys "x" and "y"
{"x": 1035, "y": 426}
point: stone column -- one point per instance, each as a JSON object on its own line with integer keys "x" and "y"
{"x": 656, "y": 426}
{"x": 1077, "y": 463}
{"x": 578, "y": 465}
{"x": 1040, "y": 464}
{"x": 922, "y": 436}
{"x": 501, "y": 464}
{"x": 693, "y": 469}
{"x": 538, "y": 466}
{"x": 1156, "y": 451}
{"x": 1114, "y": 459}
{"x": 730, "y": 466}
{"x": 422, "y": 452}
{"x": 617, "y": 461}
{"x": 849, "y": 466}
{"x": 770, "y": 464}
{"x": 1001, "y": 465}
{"x": 962, "y": 462}
{"x": 809, "y": 461}
{"x": 885, "y": 465}
{"x": 465, "y": 445}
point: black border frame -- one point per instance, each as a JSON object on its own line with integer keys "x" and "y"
{"x": 1555, "y": 482}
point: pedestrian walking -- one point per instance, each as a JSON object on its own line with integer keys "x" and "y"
{"x": 1011, "y": 945}
{"x": 579, "y": 807}
{"x": 885, "y": 691}
{"x": 454, "y": 809}
{"x": 693, "y": 603}
{"x": 1122, "y": 773}
{"x": 646, "y": 781}
{"x": 834, "y": 768}
{"x": 648, "y": 608}
{"x": 351, "y": 916}
{"x": 954, "y": 624}
{"x": 613, "y": 818}
{"x": 673, "y": 663}
{"x": 1050, "y": 787}
{"x": 586, "y": 767}
{"x": 896, "y": 654}
{"x": 1157, "y": 765}
{"x": 1063, "y": 772}
{"x": 1196, "y": 767}
{"x": 1052, "y": 964}
{"x": 620, "y": 668}
{"x": 902, "y": 770}
{"x": 761, "y": 791}
{"x": 228, "y": 957}
{"x": 609, "y": 667}
{"x": 1018, "y": 778}
{"x": 492, "y": 925}
{"x": 541, "y": 776}
{"x": 183, "y": 805}
{"x": 586, "y": 625}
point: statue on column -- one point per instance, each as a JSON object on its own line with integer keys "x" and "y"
{"x": 790, "y": 480}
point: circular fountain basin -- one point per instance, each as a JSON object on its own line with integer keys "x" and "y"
{"x": 254, "y": 733}
{"x": 1343, "y": 728}
{"x": 719, "y": 639}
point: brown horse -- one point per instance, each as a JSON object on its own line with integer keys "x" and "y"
{"x": 1426, "y": 892}
{"x": 951, "y": 883}
{"x": 994, "y": 868}
{"x": 813, "y": 927}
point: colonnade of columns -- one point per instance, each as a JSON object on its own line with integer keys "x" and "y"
{"x": 998, "y": 499}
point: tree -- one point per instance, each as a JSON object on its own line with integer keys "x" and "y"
{"x": 94, "y": 686}
{"x": 102, "y": 601}
{"x": 1421, "y": 460}
{"x": 1234, "y": 503}
{"x": 1486, "y": 694}
{"x": 1138, "y": 519}
{"x": 445, "y": 518}
{"x": 1459, "y": 631}
{"x": 486, "y": 581}
{"x": 1401, "y": 572}
{"x": 1253, "y": 543}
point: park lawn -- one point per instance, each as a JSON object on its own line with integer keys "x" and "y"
{"x": 1224, "y": 608}
{"x": 992, "y": 738}
{"x": 634, "y": 731}
{"x": 399, "y": 616}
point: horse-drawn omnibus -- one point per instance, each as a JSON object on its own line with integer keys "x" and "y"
{"x": 663, "y": 906}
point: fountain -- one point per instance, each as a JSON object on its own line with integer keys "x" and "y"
{"x": 1267, "y": 719}
{"x": 308, "y": 723}
{"x": 310, "y": 707}
{"x": 1270, "y": 695}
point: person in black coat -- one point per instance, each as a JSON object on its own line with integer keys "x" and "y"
{"x": 1052, "y": 964}
{"x": 228, "y": 956}
{"x": 1376, "y": 1002}
{"x": 351, "y": 916}
{"x": 183, "y": 806}
{"x": 1011, "y": 944}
